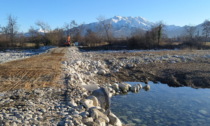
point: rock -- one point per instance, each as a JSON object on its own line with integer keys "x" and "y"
{"x": 72, "y": 103}
{"x": 114, "y": 120}
{"x": 101, "y": 122}
{"x": 102, "y": 95}
{"x": 61, "y": 123}
{"x": 91, "y": 87}
{"x": 96, "y": 114}
{"x": 91, "y": 124}
{"x": 115, "y": 87}
{"x": 87, "y": 120}
{"x": 14, "y": 124}
{"x": 140, "y": 86}
{"x": 147, "y": 87}
{"x": 204, "y": 112}
{"x": 88, "y": 103}
{"x": 94, "y": 99}
{"x": 84, "y": 114}
{"x": 124, "y": 87}
{"x": 135, "y": 88}
{"x": 129, "y": 65}
{"x": 102, "y": 72}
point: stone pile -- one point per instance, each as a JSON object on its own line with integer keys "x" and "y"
{"x": 82, "y": 69}
{"x": 73, "y": 105}
{"x": 123, "y": 88}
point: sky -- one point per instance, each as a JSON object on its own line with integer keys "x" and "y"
{"x": 58, "y": 12}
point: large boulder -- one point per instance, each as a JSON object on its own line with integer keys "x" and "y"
{"x": 102, "y": 95}
{"x": 94, "y": 99}
{"x": 136, "y": 87}
{"x": 96, "y": 114}
{"x": 115, "y": 87}
{"x": 124, "y": 87}
{"x": 146, "y": 87}
{"x": 114, "y": 120}
{"x": 88, "y": 103}
{"x": 90, "y": 87}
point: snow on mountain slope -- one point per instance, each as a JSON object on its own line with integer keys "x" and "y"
{"x": 126, "y": 26}
{"x": 136, "y": 22}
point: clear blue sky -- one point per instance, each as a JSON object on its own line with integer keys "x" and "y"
{"x": 57, "y": 12}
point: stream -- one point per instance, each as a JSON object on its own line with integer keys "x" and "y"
{"x": 163, "y": 106}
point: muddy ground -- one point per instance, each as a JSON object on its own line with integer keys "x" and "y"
{"x": 193, "y": 74}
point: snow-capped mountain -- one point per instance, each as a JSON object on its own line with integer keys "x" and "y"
{"x": 38, "y": 30}
{"x": 126, "y": 26}
{"x": 123, "y": 27}
{"x": 130, "y": 22}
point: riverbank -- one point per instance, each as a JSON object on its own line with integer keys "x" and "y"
{"x": 173, "y": 67}
{"x": 57, "y": 88}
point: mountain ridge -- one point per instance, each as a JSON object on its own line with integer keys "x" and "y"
{"x": 126, "y": 26}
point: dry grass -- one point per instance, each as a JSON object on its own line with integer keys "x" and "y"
{"x": 35, "y": 72}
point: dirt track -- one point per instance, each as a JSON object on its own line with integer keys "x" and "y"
{"x": 35, "y": 72}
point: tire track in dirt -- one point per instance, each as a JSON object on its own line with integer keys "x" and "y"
{"x": 35, "y": 72}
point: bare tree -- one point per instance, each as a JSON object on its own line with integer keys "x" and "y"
{"x": 46, "y": 29}
{"x": 1, "y": 30}
{"x": 11, "y": 29}
{"x": 192, "y": 40}
{"x": 35, "y": 36}
{"x": 44, "y": 26}
{"x": 190, "y": 31}
{"x": 73, "y": 29}
{"x": 206, "y": 29}
{"x": 70, "y": 27}
{"x": 159, "y": 32}
{"x": 32, "y": 31}
{"x": 78, "y": 36}
{"x": 56, "y": 36}
{"x": 73, "y": 24}
{"x": 91, "y": 38}
{"x": 106, "y": 26}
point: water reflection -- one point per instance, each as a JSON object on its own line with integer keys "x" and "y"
{"x": 163, "y": 105}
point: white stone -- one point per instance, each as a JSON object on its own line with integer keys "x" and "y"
{"x": 88, "y": 103}
{"x": 114, "y": 120}
{"x": 115, "y": 87}
{"x": 94, "y": 99}
{"x": 96, "y": 114}
{"x": 147, "y": 87}
{"x": 102, "y": 72}
{"x": 135, "y": 88}
{"x": 124, "y": 87}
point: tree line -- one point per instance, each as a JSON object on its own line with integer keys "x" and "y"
{"x": 102, "y": 36}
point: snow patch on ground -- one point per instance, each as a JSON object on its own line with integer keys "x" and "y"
{"x": 131, "y": 51}
{"x": 10, "y": 55}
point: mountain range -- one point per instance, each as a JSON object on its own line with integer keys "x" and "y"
{"x": 126, "y": 26}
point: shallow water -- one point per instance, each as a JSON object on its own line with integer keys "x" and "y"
{"x": 164, "y": 106}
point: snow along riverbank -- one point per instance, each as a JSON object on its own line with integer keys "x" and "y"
{"x": 10, "y": 55}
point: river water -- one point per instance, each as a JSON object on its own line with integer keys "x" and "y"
{"x": 163, "y": 106}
